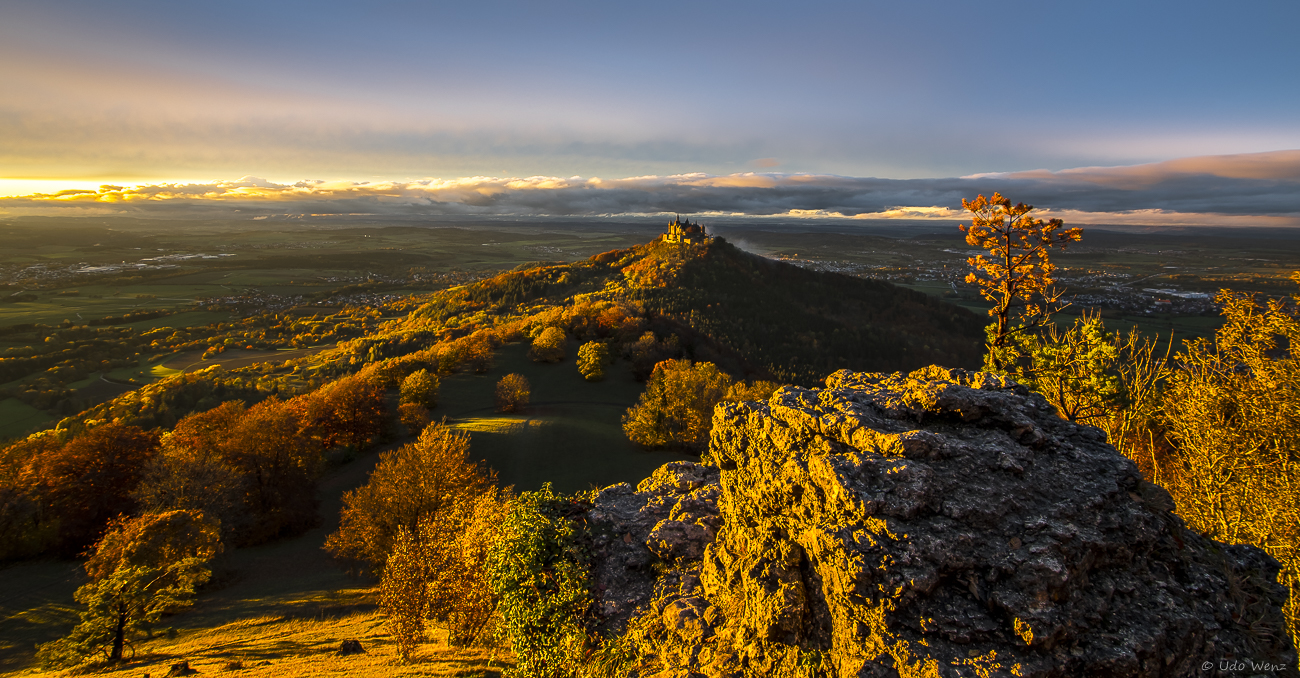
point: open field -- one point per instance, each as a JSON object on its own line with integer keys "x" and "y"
{"x": 570, "y": 434}
{"x": 285, "y": 263}
{"x": 141, "y": 265}
{"x": 18, "y": 418}
{"x": 193, "y": 360}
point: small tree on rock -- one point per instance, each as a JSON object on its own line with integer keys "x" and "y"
{"x": 513, "y": 392}
{"x": 1016, "y": 277}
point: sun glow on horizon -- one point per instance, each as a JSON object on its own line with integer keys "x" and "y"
{"x": 19, "y": 188}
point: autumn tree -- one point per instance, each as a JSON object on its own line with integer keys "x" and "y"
{"x": 647, "y": 351}
{"x": 478, "y": 350}
{"x": 1232, "y": 412}
{"x": 513, "y": 392}
{"x": 89, "y": 480}
{"x": 255, "y": 469}
{"x": 350, "y": 412}
{"x": 592, "y": 357}
{"x": 404, "y": 593}
{"x": 1016, "y": 277}
{"x": 457, "y": 542}
{"x": 194, "y": 477}
{"x": 409, "y": 485}
{"x": 414, "y": 417}
{"x": 280, "y": 463}
{"x": 420, "y": 388}
{"x": 548, "y": 346}
{"x": 141, "y": 569}
{"x": 758, "y": 390}
{"x": 27, "y": 527}
{"x": 676, "y": 408}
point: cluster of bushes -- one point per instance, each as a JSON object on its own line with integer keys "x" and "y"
{"x": 1217, "y": 424}
{"x": 490, "y": 566}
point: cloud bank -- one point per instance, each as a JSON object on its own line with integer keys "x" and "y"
{"x": 1261, "y": 188}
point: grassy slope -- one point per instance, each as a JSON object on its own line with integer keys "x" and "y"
{"x": 286, "y": 603}
{"x": 747, "y": 312}
{"x": 18, "y": 418}
{"x": 570, "y": 434}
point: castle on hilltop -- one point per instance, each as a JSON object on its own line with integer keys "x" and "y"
{"x": 685, "y": 232}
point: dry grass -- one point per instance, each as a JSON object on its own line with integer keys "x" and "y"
{"x": 297, "y": 647}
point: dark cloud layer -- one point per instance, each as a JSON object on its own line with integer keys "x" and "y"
{"x": 1262, "y": 184}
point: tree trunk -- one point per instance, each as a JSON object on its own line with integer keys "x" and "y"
{"x": 119, "y": 636}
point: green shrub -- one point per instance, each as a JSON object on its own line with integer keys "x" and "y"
{"x": 592, "y": 357}
{"x": 420, "y": 388}
{"x": 539, "y": 569}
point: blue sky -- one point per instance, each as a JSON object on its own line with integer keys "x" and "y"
{"x": 150, "y": 92}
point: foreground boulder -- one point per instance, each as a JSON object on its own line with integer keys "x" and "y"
{"x": 941, "y": 523}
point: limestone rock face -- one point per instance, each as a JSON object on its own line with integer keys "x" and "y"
{"x": 671, "y": 515}
{"x": 941, "y": 523}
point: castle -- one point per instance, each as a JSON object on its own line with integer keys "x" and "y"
{"x": 685, "y": 232}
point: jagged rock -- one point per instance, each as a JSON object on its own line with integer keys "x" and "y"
{"x": 941, "y": 523}
{"x": 672, "y": 514}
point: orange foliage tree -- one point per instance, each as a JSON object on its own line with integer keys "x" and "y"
{"x": 676, "y": 408}
{"x": 513, "y": 392}
{"x": 351, "y": 411}
{"x": 280, "y": 464}
{"x": 89, "y": 480}
{"x": 548, "y": 346}
{"x": 410, "y": 485}
{"x": 1016, "y": 277}
{"x": 141, "y": 569}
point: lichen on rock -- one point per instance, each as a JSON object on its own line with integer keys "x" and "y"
{"x": 938, "y": 523}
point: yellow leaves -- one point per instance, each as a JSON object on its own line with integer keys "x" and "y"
{"x": 1024, "y": 631}
{"x": 1017, "y": 276}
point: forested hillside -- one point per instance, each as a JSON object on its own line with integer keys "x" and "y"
{"x": 801, "y": 325}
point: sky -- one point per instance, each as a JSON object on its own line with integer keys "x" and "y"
{"x": 1154, "y": 112}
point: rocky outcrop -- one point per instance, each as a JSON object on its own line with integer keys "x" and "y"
{"x": 940, "y": 523}
{"x": 668, "y": 517}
